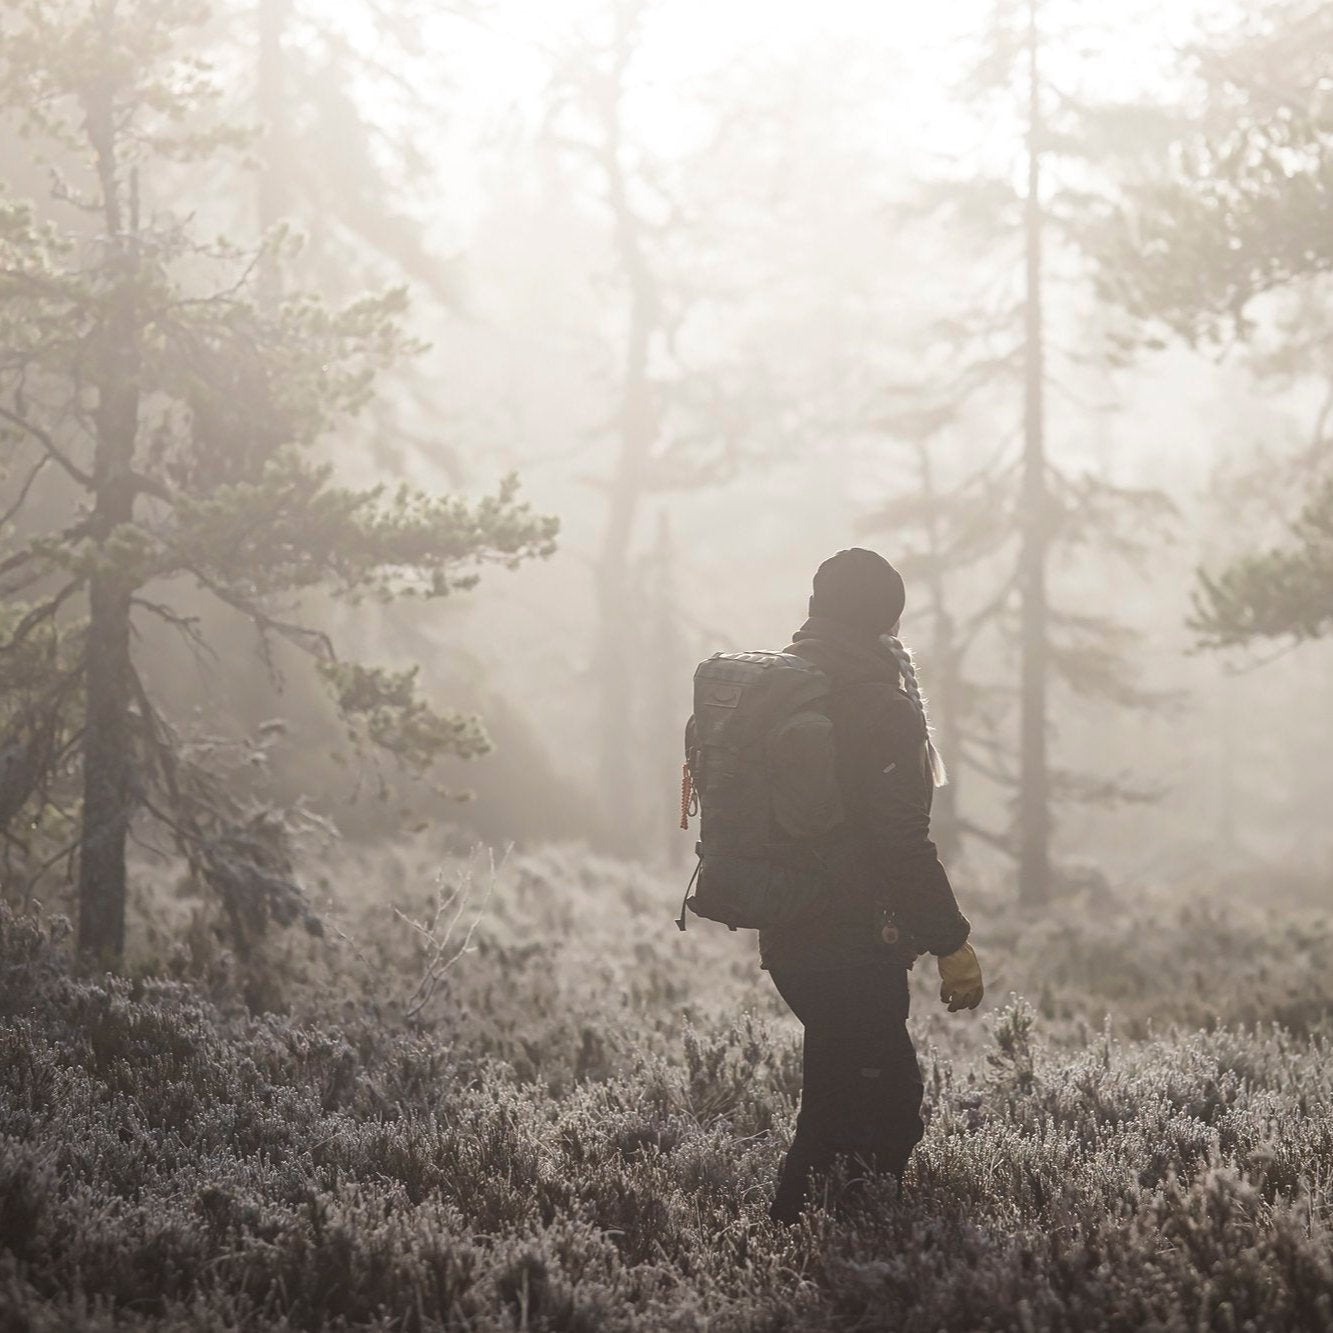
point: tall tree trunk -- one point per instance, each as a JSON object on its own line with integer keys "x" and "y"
{"x": 107, "y": 768}
{"x": 273, "y": 192}
{"x": 669, "y": 705}
{"x": 946, "y": 701}
{"x": 1228, "y": 806}
{"x": 108, "y": 742}
{"x": 1034, "y": 820}
{"x": 944, "y": 675}
{"x": 618, "y": 628}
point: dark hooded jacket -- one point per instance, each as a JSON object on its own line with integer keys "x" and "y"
{"x": 883, "y": 864}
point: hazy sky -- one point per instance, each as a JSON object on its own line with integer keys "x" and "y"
{"x": 893, "y": 69}
{"x": 903, "y": 61}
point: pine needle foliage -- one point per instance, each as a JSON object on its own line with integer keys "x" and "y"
{"x": 1227, "y": 224}
{"x": 164, "y": 429}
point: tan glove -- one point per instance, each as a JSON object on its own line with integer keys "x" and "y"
{"x": 960, "y": 979}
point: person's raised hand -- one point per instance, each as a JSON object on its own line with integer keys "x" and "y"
{"x": 960, "y": 979}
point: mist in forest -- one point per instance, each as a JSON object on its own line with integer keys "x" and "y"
{"x": 729, "y": 291}
{"x": 738, "y": 291}
{"x": 400, "y": 400}
{"x": 733, "y": 290}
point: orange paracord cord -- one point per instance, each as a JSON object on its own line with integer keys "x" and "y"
{"x": 686, "y": 791}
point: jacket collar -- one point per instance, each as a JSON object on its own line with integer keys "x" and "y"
{"x": 843, "y": 651}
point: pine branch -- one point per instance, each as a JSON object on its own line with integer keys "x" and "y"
{"x": 187, "y": 626}
{"x": 313, "y": 641}
{"x": 39, "y": 549}
{"x": 39, "y": 615}
{"x": 9, "y": 515}
{"x": 1000, "y": 841}
{"x": 53, "y": 450}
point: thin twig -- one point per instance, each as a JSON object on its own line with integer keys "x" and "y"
{"x": 44, "y": 439}
{"x": 45, "y": 611}
{"x": 8, "y": 516}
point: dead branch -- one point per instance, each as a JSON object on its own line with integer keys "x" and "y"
{"x": 53, "y": 450}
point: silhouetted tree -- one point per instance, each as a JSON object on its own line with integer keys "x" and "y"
{"x": 325, "y": 162}
{"x": 948, "y": 522}
{"x": 177, "y": 415}
{"x": 674, "y": 424}
{"x": 1238, "y": 199}
{"x": 1239, "y": 206}
{"x": 1028, "y": 220}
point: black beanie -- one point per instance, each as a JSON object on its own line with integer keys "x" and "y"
{"x": 860, "y": 588}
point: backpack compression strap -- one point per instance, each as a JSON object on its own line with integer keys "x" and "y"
{"x": 680, "y": 920}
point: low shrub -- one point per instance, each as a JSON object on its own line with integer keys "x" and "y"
{"x": 580, "y": 1129}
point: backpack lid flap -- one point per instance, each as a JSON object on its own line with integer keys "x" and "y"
{"x": 738, "y": 697}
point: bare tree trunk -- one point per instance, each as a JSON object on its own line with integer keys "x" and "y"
{"x": 669, "y": 705}
{"x": 619, "y": 775}
{"x": 273, "y": 193}
{"x": 618, "y": 626}
{"x": 1228, "y": 806}
{"x": 944, "y": 676}
{"x": 107, "y": 769}
{"x": 946, "y": 700}
{"x": 108, "y": 742}
{"x": 1034, "y": 871}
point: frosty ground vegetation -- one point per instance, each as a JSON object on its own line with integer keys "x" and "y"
{"x": 580, "y": 1127}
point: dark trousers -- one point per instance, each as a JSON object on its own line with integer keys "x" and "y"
{"x": 861, "y": 1086}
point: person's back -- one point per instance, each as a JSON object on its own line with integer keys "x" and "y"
{"x": 842, "y": 965}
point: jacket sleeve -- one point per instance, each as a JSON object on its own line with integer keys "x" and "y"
{"x": 888, "y": 790}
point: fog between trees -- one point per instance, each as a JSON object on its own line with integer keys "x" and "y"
{"x": 397, "y": 400}
{"x": 732, "y": 342}
{"x": 728, "y": 292}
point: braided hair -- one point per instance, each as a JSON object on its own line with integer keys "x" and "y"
{"x": 939, "y": 774}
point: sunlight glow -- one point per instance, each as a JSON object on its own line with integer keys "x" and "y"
{"x": 903, "y": 62}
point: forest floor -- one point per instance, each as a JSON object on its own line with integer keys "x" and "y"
{"x": 576, "y": 1124}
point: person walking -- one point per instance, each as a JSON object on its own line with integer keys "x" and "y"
{"x": 842, "y": 965}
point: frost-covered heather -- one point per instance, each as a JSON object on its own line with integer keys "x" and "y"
{"x": 579, "y": 1126}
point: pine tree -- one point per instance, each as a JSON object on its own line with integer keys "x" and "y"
{"x": 1238, "y": 207}
{"x": 173, "y": 413}
{"x": 1034, "y": 810}
{"x": 950, "y": 522}
{"x": 674, "y": 421}
{"x": 328, "y": 164}
{"x": 1236, "y": 200}
{"x": 999, "y": 357}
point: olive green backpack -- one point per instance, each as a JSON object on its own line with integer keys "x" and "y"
{"x": 760, "y": 773}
